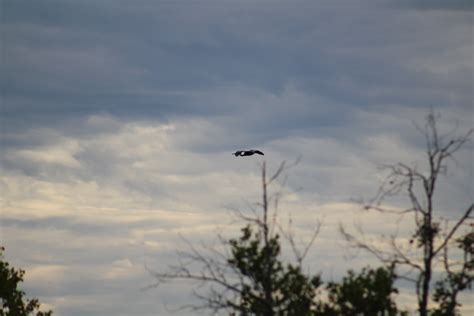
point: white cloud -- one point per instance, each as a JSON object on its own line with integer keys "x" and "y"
{"x": 61, "y": 154}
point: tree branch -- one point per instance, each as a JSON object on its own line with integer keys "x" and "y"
{"x": 453, "y": 230}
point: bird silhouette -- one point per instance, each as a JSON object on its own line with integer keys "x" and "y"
{"x": 250, "y": 152}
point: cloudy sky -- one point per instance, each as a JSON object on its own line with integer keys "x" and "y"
{"x": 118, "y": 120}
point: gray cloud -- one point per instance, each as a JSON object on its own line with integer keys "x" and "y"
{"x": 85, "y": 60}
{"x": 439, "y": 5}
{"x": 118, "y": 120}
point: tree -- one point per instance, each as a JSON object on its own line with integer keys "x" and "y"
{"x": 429, "y": 237}
{"x": 251, "y": 278}
{"x": 368, "y": 293}
{"x": 269, "y": 287}
{"x": 447, "y": 290}
{"x": 13, "y": 301}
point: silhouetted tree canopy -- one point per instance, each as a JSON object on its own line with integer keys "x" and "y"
{"x": 13, "y": 301}
{"x": 270, "y": 287}
{"x": 371, "y": 292}
{"x": 253, "y": 278}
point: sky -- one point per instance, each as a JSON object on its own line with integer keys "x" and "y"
{"x": 118, "y": 120}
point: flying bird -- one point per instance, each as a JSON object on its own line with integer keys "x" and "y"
{"x": 250, "y": 152}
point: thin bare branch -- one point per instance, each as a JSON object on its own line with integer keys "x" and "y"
{"x": 288, "y": 234}
{"x": 420, "y": 189}
{"x": 453, "y": 230}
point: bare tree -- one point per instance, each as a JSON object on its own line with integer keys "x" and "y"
{"x": 432, "y": 240}
{"x": 458, "y": 277}
{"x": 248, "y": 276}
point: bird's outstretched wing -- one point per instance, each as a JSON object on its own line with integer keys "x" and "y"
{"x": 241, "y": 153}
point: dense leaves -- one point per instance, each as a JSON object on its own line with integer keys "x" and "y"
{"x": 270, "y": 287}
{"x": 274, "y": 288}
{"x": 13, "y": 302}
{"x": 368, "y": 293}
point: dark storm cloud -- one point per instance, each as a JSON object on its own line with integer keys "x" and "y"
{"x": 65, "y": 60}
{"x": 455, "y": 5}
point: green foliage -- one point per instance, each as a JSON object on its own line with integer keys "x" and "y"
{"x": 444, "y": 295}
{"x": 270, "y": 287}
{"x": 13, "y": 302}
{"x": 446, "y": 290}
{"x": 367, "y": 293}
